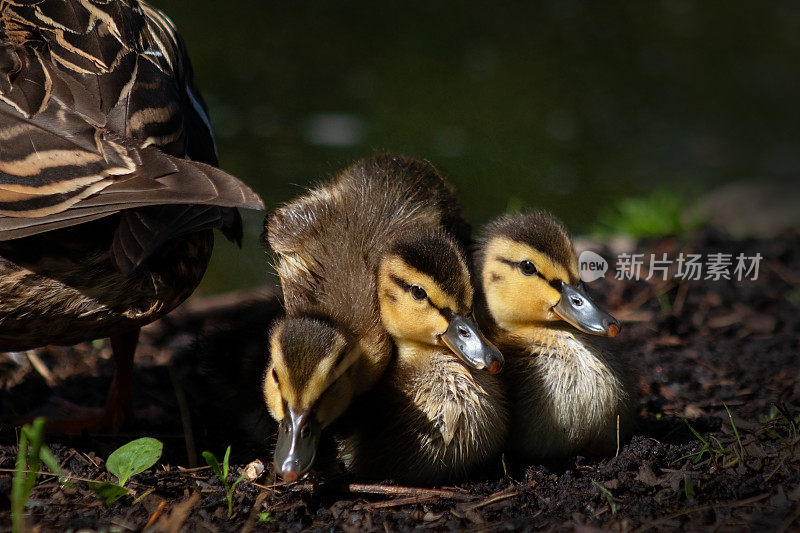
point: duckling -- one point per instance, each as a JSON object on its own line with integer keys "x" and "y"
{"x": 567, "y": 390}
{"x": 333, "y": 346}
{"x": 108, "y": 196}
{"x": 431, "y": 418}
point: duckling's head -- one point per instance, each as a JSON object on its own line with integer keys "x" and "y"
{"x": 528, "y": 272}
{"x": 425, "y": 295}
{"x": 304, "y": 387}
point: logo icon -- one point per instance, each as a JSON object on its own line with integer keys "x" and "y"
{"x": 592, "y": 266}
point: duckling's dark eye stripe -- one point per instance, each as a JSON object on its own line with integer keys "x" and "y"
{"x": 446, "y": 312}
{"x": 515, "y": 264}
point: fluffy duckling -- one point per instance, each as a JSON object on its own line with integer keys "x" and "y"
{"x": 431, "y": 418}
{"x": 567, "y": 389}
{"x": 332, "y": 346}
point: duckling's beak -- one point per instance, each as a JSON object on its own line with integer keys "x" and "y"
{"x": 577, "y": 308}
{"x": 464, "y": 337}
{"x": 298, "y": 438}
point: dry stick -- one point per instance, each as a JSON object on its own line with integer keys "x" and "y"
{"x": 395, "y": 490}
{"x": 499, "y": 496}
{"x": 397, "y": 502}
{"x": 781, "y": 464}
{"x": 617, "y": 454}
{"x": 72, "y": 454}
{"x": 90, "y": 460}
{"x": 156, "y": 514}
{"x": 41, "y": 368}
{"x": 186, "y": 419}
{"x": 190, "y": 470}
{"x": 69, "y": 477}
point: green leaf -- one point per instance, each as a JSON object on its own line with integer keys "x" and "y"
{"x": 108, "y": 492}
{"x": 211, "y": 460}
{"x": 134, "y": 458}
{"x": 265, "y": 518}
{"x": 226, "y": 463}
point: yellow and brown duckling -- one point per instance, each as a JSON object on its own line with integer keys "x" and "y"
{"x": 108, "y": 195}
{"x": 567, "y": 389}
{"x": 331, "y": 243}
{"x": 431, "y": 418}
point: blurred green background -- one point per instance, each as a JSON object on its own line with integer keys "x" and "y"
{"x": 567, "y": 105}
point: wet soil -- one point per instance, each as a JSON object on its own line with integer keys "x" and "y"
{"x": 697, "y": 347}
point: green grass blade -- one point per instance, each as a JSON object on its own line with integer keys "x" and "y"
{"x": 696, "y": 434}
{"x": 229, "y": 494}
{"x": 18, "y": 495}
{"x": 608, "y": 496}
{"x": 735, "y": 432}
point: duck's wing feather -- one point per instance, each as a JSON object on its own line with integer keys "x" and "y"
{"x": 97, "y": 112}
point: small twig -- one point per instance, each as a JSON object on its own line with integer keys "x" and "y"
{"x": 156, "y": 514}
{"x": 194, "y": 469}
{"x": 67, "y": 477}
{"x": 91, "y": 460}
{"x": 775, "y": 471}
{"x": 69, "y": 456}
{"x": 617, "y": 454}
{"x": 397, "y": 502}
{"x": 504, "y": 494}
{"x": 41, "y": 368}
{"x": 395, "y": 490}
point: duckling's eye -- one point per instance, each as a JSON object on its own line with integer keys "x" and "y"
{"x": 527, "y": 267}
{"x": 418, "y": 293}
{"x": 275, "y": 377}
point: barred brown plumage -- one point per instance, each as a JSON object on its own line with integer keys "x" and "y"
{"x": 108, "y": 185}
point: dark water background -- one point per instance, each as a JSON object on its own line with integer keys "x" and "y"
{"x": 566, "y": 105}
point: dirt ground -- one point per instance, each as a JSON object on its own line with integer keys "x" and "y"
{"x": 697, "y": 347}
